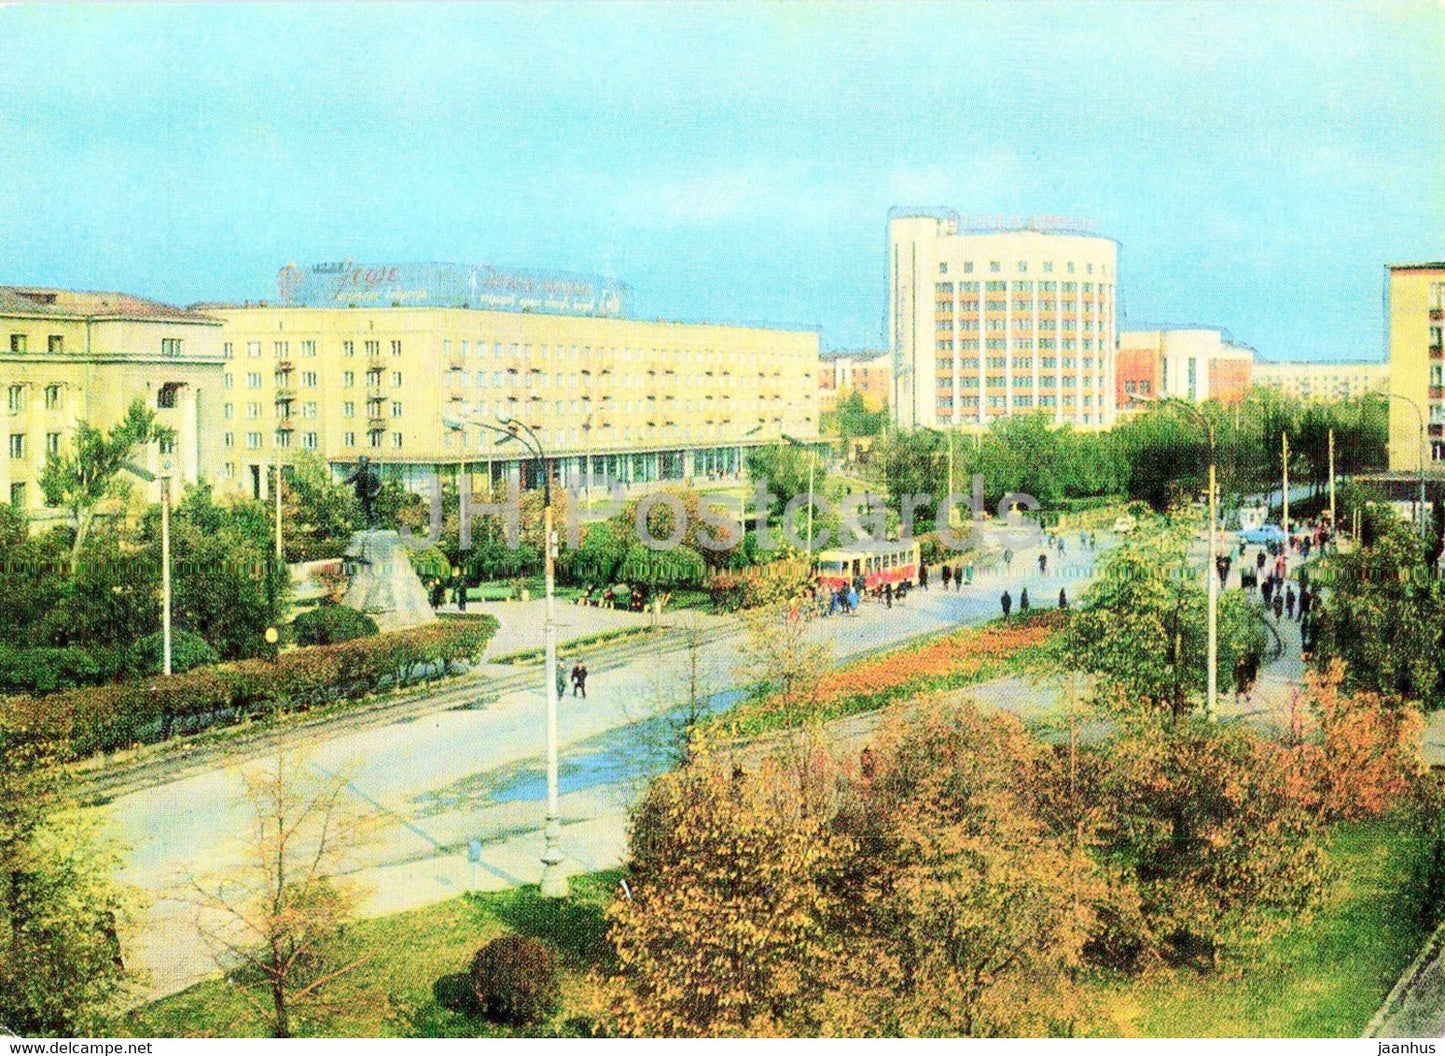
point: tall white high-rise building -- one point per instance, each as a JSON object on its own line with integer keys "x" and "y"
{"x": 1005, "y": 318}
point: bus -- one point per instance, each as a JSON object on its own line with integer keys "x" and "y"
{"x": 877, "y": 562}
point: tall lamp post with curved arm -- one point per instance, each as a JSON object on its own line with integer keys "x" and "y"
{"x": 1212, "y": 569}
{"x": 1419, "y": 454}
{"x": 554, "y": 881}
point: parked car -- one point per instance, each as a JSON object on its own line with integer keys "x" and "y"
{"x": 1263, "y": 535}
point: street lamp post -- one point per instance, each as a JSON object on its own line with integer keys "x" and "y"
{"x": 1419, "y": 454}
{"x": 165, "y": 481}
{"x": 554, "y": 881}
{"x": 798, "y": 443}
{"x": 1211, "y": 569}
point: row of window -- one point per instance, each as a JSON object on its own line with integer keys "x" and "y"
{"x": 945, "y": 403}
{"x": 971, "y": 344}
{"x": 1046, "y": 381}
{"x": 523, "y": 351}
{"x": 945, "y": 290}
{"x": 1022, "y": 266}
{"x": 1044, "y": 323}
{"x": 55, "y": 343}
{"x": 15, "y": 400}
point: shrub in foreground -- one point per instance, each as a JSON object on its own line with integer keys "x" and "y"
{"x": 329, "y": 624}
{"x": 514, "y": 980}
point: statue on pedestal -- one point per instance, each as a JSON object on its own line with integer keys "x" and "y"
{"x": 368, "y": 490}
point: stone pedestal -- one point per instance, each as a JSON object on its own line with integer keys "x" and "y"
{"x": 383, "y": 583}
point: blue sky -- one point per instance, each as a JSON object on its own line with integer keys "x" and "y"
{"x": 1259, "y": 163}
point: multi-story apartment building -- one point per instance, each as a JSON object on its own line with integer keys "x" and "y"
{"x": 993, "y": 319}
{"x": 68, "y": 356}
{"x": 635, "y": 400}
{"x": 1188, "y": 364}
{"x": 1323, "y": 381}
{"x": 1415, "y": 317}
{"x": 867, "y": 373}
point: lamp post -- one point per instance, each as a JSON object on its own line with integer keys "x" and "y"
{"x": 1211, "y": 569}
{"x": 554, "y": 881}
{"x": 165, "y": 481}
{"x": 1419, "y": 454}
{"x": 798, "y": 443}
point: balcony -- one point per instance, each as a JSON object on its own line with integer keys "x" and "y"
{"x": 375, "y": 422}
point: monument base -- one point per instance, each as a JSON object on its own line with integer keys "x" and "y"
{"x": 383, "y": 583}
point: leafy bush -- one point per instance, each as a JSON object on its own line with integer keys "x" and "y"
{"x": 514, "y": 980}
{"x": 188, "y": 651}
{"x": 329, "y": 624}
{"x": 45, "y": 670}
{"x": 111, "y": 717}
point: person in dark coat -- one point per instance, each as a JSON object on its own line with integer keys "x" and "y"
{"x": 1259, "y": 560}
{"x": 923, "y": 575}
{"x": 947, "y": 576}
{"x": 1007, "y": 602}
{"x": 1268, "y": 590}
{"x": 1063, "y": 598}
{"x": 1043, "y": 564}
{"x": 888, "y": 594}
{"x": 579, "y": 679}
{"x": 1024, "y": 600}
{"x": 1278, "y": 604}
{"x": 1289, "y": 602}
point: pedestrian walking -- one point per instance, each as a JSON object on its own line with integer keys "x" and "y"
{"x": 1043, "y": 564}
{"x": 1259, "y": 560}
{"x": 1289, "y": 602}
{"x": 888, "y": 594}
{"x": 968, "y": 573}
{"x": 1008, "y": 558}
{"x": 923, "y": 575}
{"x": 462, "y": 597}
{"x": 852, "y": 600}
{"x": 947, "y": 576}
{"x": 1007, "y": 603}
{"x": 1278, "y": 604}
{"x": 1063, "y": 599}
{"x": 1024, "y": 600}
{"x": 561, "y": 680}
{"x": 1267, "y": 590}
{"x": 579, "y": 680}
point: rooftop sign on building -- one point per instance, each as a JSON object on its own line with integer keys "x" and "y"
{"x": 347, "y": 284}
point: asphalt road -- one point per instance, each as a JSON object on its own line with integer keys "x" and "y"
{"x": 431, "y": 777}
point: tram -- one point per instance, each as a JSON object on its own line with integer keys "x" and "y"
{"x": 877, "y": 562}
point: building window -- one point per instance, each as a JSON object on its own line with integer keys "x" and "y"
{"x": 396, "y": 348}
{"x": 308, "y": 379}
{"x": 375, "y": 437}
{"x": 968, "y": 267}
{"x": 229, "y": 381}
{"x": 995, "y": 265}
{"x": 17, "y": 342}
{"x": 230, "y": 440}
{"x": 308, "y": 348}
{"x": 16, "y": 401}
{"x": 348, "y": 409}
{"x": 253, "y": 410}
{"x": 168, "y": 444}
{"x": 348, "y": 379}
{"x": 282, "y": 349}
{"x": 17, "y": 445}
{"x": 226, "y": 352}
{"x": 396, "y": 440}
{"x": 349, "y": 439}
{"x": 253, "y": 350}
{"x": 52, "y": 397}
{"x": 55, "y": 343}
{"x": 17, "y": 495}
{"x": 229, "y": 411}
{"x": 253, "y": 441}
{"x": 52, "y": 443}
{"x": 396, "y": 379}
{"x": 348, "y": 348}
{"x": 253, "y": 381}
{"x": 396, "y": 409}
{"x": 308, "y": 441}
{"x": 373, "y": 348}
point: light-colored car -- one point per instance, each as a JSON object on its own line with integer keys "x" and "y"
{"x": 1264, "y": 534}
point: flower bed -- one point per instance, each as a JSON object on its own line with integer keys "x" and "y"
{"x": 950, "y": 661}
{"x": 121, "y": 715}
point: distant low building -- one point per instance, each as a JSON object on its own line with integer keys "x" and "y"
{"x": 1193, "y": 364}
{"x": 68, "y": 356}
{"x": 1323, "y": 382}
{"x": 868, "y": 373}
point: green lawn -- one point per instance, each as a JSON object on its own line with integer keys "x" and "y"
{"x": 393, "y": 993}
{"x": 1325, "y": 978}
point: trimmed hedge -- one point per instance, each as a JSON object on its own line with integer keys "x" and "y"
{"x": 188, "y": 651}
{"x": 329, "y": 624}
{"x": 44, "y": 669}
{"x": 121, "y": 715}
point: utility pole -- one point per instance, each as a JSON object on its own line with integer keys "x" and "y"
{"x": 1284, "y": 470}
{"x": 1332, "y": 480}
{"x": 166, "y": 570}
{"x": 1213, "y": 572}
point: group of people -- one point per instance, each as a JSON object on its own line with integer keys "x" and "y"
{"x": 1006, "y": 601}
{"x": 458, "y": 591}
{"x": 578, "y": 678}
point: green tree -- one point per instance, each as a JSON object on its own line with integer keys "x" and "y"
{"x": 80, "y": 478}
{"x": 319, "y": 513}
{"x": 1141, "y": 628}
{"x": 1382, "y": 613}
{"x": 59, "y": 909}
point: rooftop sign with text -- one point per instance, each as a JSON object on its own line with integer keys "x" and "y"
{"x": 347, "y": 284}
